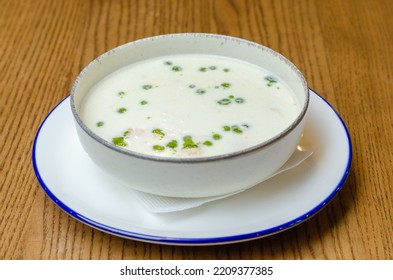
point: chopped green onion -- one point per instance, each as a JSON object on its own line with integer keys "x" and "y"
{"x": 176, "y": 68}
{"x": 172, "y": 144}
{"x": 188, "y": 143}
{"x": 119, "y": 141}
{"x": 271, "y": 79}
{"x": 208, "y": 143}
{"x": 158, "y": 148}
{"x": 216, "y": 136}
{"x": 224, "y": 101}
{"x": 200, "y": 91}
{"x": 236, "y": 129}
{"x": 159, "y": 132}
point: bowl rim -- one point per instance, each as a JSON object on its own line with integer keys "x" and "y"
{"x": 223, "y": 156}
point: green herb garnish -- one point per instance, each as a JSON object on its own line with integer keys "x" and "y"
{"x": 200, "y": 91}
{"x": 159, "y": 132}
{"x": 158, "y": 148}
{"x": 212, "y": 67}
{"x": 226, "y": 128}
{"x": 226, "y": 70}
{"x": 208, "y": 143}
{"x": 121, "y": 94}
{"x": 99, "y": 124}
{"x": 225, "y": 85}
{"x": 216, "y": 136}
{"x": 239, "y": 100}
{"x": 236, "y": 129}
{"x": 188, "y": 143}
{"x": 202, "y": 69}
{"x": 176, "y": 68}
{"x": 119, "y": 141}
{"x": 224, "y": 101}
{"x": 143, "y": 102}
{"x": 146, "y": 87}
{"x": 122, "y": 110}
{"x": 168, "y": 63}
{"x": 271, "y": 79}
{"x": 172, "y": 144}
{"x": 191, "y": 86}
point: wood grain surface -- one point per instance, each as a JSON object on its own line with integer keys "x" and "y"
{"x": 343, "y": 47}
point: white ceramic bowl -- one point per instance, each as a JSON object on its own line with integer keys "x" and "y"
{"x": 191, "y": 177}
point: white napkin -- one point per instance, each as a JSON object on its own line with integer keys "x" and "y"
{"x": 161, "y": 204}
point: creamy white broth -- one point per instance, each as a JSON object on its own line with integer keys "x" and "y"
{"x": 189, "y": 106}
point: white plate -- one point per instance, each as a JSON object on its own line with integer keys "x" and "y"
{"x": 78, "y": 187}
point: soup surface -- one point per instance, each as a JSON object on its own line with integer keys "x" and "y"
{"x": 189, "y": 106}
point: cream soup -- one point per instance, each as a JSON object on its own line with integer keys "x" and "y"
{"x": 189, "y": 106}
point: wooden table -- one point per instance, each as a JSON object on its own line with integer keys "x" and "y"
{"x": 344, "y": 49}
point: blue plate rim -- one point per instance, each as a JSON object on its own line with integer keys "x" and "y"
{"x": 192, "y": 241}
